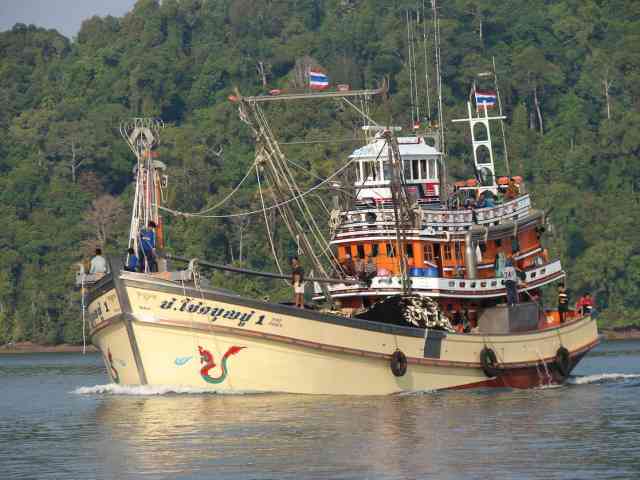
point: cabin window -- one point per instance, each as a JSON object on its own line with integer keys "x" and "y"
{"x": 407, "y": 170}
{"x": 423, "y": 169}
{"x": 428, "y": 253}
{"x": 408, "y": 248}
{"x": 390, "y": 250}
{"x": 386, "y": 170}
{"x": 415, "y": 167}
{"x": 483, "y": 155}
{"x": 345, "y": 251}
{"x": 458, "y": 250}
{"x": 358, "y": 172}
{"x": 434, "y": 169}
{"x": 447, "y": 251}
{"x": 360, "y": 249}
{"x": 374, "y": 250}
{"x": 371, "y": 172}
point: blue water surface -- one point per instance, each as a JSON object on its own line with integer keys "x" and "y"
{"x": 59, "y": 420}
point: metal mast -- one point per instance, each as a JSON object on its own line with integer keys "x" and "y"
{"x": 143, "y": 135}
{"x": 402, "y": 210}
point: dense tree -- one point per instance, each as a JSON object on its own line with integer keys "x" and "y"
{"x": 569, "y": 73}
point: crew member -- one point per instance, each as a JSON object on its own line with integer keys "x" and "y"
{"x": 98, "y": 264}
{"x": 347, "y": 265}
{"x": 131, "y": 264}
{"x": 148, "y": 248}
{"x": 513, "y": 190}
{"x": 510, "y": 276}
{"x": 563, "y": 302}
{"x": 297, "y": 280}
{"x": 585, "y": 304}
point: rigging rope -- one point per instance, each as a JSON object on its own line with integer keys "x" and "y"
{"x": 217, "y": 205}
{"x": 271, "y": 207}
{"x": 266, "y": 223}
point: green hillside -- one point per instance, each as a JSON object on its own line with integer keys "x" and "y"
{"x": 569, "y": 73}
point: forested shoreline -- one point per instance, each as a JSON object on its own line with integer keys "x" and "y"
{"x": 569, "y": 75}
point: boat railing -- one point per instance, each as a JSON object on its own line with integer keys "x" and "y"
{"x": 379, "y": 216}
{"x": 544, "y": 273}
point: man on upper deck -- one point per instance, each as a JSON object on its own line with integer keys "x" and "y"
{"x": 513, "y": 190}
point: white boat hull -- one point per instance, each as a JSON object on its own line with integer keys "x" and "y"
{"x": 154, "y": 332}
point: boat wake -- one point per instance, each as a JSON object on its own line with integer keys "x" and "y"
{"x": 153, "y": 390}
{"x": 603, "y": 378}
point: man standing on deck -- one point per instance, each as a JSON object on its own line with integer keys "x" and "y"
{"x": 563, "y": 302}
{"x": 297, "y": 280}
{"x": 510, "y": 276}
{"x": 148, "y": 248}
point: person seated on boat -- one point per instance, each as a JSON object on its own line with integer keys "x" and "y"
{"x": 370, "y": 270}
{"x": 585, "y": 304}
{"x": 510, "y": 276}
{"x": 98, "y": 264}
{"x": 481, "y": 203}
{"x": 131, "y": 263}
{"x": 513, "y": 190}
{"x": 489, "y": 199}
{"x": 297, "y": 281}
{"x": 147, "y": 250}
{"x": 469, "y": 203}
{"x": 563, "y": 302}
{"x": 347, "y": 266}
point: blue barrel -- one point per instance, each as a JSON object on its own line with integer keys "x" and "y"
{"x": 415, "y": 272}
{"x": 430, "y": 272}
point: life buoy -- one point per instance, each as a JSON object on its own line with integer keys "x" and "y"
{"x": 563, "y": 361}
{"x": 398, "y": 363}
{"x": 489, "y": 362}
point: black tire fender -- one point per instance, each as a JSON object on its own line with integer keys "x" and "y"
{"x": 563, "y": 361}
{"x": 489, "y": 362}
{"x": 398, "y": 363}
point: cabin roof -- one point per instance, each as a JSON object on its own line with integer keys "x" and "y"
{"x": 409, "y": 147}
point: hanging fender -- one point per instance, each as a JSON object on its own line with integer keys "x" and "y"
{"x": 489, "y": 362}
{"x": 398, "y": 363}
{"x": 563, "y": 361}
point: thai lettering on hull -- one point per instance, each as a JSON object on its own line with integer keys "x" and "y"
{"x": 213, "y": 313}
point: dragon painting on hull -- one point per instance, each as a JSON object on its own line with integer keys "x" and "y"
{"x": 114, "y": 372}
{"x": 207, "y": 358}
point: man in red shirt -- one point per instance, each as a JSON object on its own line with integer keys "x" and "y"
{"x": 585, "y": 304}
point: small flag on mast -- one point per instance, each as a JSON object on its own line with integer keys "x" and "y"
{"x": 486, "y": 99}
{"x": 318, "y": 80}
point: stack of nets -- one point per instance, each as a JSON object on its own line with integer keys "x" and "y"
{"x": 421, "y": 312}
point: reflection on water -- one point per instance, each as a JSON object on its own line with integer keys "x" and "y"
{"x": 588, "y": 429}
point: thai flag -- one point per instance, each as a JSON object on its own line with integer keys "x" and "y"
{"x": 318, "y": 80}
{"x": 485, "y": 98}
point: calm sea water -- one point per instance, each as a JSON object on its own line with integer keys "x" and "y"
{"x": 59, "y": 420}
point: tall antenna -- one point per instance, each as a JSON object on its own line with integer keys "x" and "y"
{"x": 504, "y": 137}
{"x": 411, "y": 72}
{"x": 426, "y": 60}
{"x": 436, "y": 41}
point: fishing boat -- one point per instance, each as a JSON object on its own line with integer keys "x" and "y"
{"x": 409, "y": 287}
